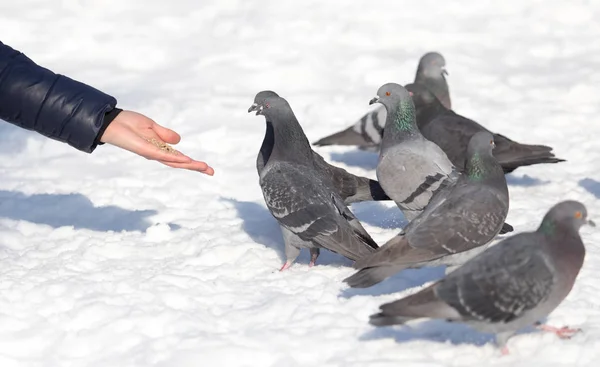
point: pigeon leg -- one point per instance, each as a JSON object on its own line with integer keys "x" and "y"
{"x": 564, "y": 332}
{"x": 314, "y": 253}
{"x": 502, "y": 339}
{"x": 291, "y": 251}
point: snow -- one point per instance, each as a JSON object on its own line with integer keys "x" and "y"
{"x": 112, "y": 260}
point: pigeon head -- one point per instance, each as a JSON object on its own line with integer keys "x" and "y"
{"x": 274, "y": 108}
{"x": 480, "y": 163}
{"x": 261, "y": 96}
{"x": 399, "y": 106}
{"x": 569, "y": 213}
{"x": 421, "y": 95}
{"x": 481, "y": 143}
{"x": 432, "y": 65}
{"x": 390, "y": 95}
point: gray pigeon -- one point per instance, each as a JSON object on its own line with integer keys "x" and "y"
{"x": 452, "y": 132}
{"x": 460, "y": 222}
{"x": 350, "y": 187}
{"x": 510, "y": 286}
{"x": 366, "y": 133}
{"x": 411, "y": 169}
{"x": 430, "y": 74}
{"x": 310, "y": 211}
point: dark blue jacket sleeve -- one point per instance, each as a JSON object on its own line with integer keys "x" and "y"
{"x": 54, "y": 105}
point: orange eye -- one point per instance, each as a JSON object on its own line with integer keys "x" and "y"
{"x": 578, "y": 215}
{"x": 387, "y": 93}
{"x": 491, "y": 142}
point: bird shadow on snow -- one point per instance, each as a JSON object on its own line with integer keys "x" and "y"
{"x": 58, "y": 210}
{"x": 357, "y": 158}
{"x": 436, "y": 331}
{"x": 400, "y": 282}
{"x": 592, "y": 186}
{"x": 262, "y": 228}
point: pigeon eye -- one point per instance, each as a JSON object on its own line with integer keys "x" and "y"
{"x": 491, "y": 142}
{"x": 387, "y": 93}
{"x": 578, "y": 215}
{"x": 267, "y": 105}
{"x": 411, "y": 93}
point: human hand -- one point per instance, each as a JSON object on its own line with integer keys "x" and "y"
{"x": 137, "y": 133}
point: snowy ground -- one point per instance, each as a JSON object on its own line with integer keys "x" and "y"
{"x": 112, "y": 260}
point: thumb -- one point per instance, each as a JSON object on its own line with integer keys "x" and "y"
{"x": 167, "y": 135}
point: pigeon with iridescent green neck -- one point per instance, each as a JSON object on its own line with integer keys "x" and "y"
{"x": 411, "y": 169}
{"x": 461, "y": 221}
{"x": 513, "y": 285}
{"x": 366, "y": 133}
{"x": 305, "y": 203}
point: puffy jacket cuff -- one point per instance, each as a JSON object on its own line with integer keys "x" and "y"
{"x": 108, "y": 118}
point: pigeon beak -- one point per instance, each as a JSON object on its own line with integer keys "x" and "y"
{"x": 253, "y": 107}
{"x": 444, "y": 71}
{"x": 259, "y": 110}
{"x": 374, "y": 100}
{"x": 591, "y": 223}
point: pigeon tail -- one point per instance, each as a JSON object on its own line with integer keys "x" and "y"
{"x": 423, "y": 304}
{"x": 366, "y": 239}
{"x": 512, "y": 155}
{"x": 365, "y": 133}
{"x": 381, "y": 319}
{"x": 506, "y": 228}
{"x": 344, "y": 137}
{"x": 377, "y": 192}
{"x": 368, "y": 277}
{"x": 360, "y": 242}
{"x": 510, "y": 166}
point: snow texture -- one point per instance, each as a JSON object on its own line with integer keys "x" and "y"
{"x": 112, "y": 260}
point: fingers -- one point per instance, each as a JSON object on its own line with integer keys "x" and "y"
{"x": 192, "y": 166}
{"x": 165, "y": 134}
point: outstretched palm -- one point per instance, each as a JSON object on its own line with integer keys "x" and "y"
{"x": 139, "y": 134}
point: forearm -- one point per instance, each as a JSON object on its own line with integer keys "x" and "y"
{"x": 54, "y": 105}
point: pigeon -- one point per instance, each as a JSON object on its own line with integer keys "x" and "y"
{"x": 430, "y": 74}
{"x": 350, "y": 187}
{"x": 452, "y": 132}
{"x": 307, "y": 206}
{"x": 458, "y": 224}
{"x": 510, "y": 286}
{"x": 411, "y": 169}
{"x": 367, "y": 132}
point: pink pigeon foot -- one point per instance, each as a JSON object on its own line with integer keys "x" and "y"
{"x": 564, "y": 332}
{"x": 285, "y": 266}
